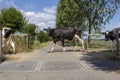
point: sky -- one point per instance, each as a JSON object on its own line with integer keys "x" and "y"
{"x": 43, "y": 12}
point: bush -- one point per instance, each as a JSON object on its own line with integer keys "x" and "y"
{"x": 42, "y": 37}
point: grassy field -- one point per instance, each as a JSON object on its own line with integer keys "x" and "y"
{"x": 95, "y": 44}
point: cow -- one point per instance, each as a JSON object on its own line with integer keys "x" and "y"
{"x": 7, "y": 39}
{"x": 112, "y": 35}
{"x": 60, "y": 34}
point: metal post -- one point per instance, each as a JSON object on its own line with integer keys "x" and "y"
{"x": 117, "y": 43}
{"x": 87, "y": 41}
{"x": 0, "y": 44}
{"x": 36, "y": 40}
{"x": 27, "y": 40}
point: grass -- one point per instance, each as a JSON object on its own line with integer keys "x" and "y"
{"x": 22, "y": 45}
{"x": 95, "y": 45}
{"x": 21, "y": 55}
{"x": 21, "y": 48}
{"x": 39, "y": 45}
{"x": 100, "y": 44}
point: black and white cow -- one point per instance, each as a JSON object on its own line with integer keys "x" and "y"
{"x": 7, "y": 39}
{"x": 60, "y": 34}
{"x": 112, "y": 35}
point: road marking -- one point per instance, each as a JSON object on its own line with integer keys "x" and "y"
{"x": 38, "y": 67}
{"x": 85, "y": 65}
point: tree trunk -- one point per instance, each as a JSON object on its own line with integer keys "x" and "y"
{"x": 89, "y": 32}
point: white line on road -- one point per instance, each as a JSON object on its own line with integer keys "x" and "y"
{"x": 38, "y": 67}
{"x": 85, "y": 65}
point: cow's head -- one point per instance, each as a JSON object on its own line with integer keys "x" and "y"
{"x": 6, "y": 32}
{"x": 49, "y": 31}
{"x": 108, "y": 34}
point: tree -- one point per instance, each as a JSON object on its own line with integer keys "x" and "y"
{"x": 12, "y": 18}
{"x": 42, "y": 37}
{"x": 98, "y": 13}
{"x": 68, "y": 14}
{"x": 29, "y": 29}
{"x": 87, "y": 14}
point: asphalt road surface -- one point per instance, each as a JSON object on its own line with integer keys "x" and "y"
{"x": 58, "y": 65}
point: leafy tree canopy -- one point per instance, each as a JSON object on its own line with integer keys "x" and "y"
{"x": 69, "y": 14}
{"x": 13, "y": 18}
{"x": 87, "y": 14}
{"x": 30, "y": 29}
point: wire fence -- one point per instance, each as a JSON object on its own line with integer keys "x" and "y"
{"x": 97, "y": 41}
{"x": 24, "y": 41}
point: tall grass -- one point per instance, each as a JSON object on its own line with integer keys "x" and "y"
{"x": 19, "y": 45}
{"x": 23, "y": 45}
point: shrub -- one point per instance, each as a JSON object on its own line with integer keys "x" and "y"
{"x": 42, "y": 37}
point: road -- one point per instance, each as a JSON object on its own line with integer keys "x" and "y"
{"x": 69, "y": 65}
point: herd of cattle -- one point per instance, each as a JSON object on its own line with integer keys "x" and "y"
{"x": 59, "y": 34}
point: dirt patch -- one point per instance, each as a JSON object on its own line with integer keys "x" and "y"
{"x": 118, "y": 72}
{"x": 24, "y": 55}
{"x": 14, "y": 57}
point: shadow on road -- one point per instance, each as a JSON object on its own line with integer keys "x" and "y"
{"x": 103, "y": 60}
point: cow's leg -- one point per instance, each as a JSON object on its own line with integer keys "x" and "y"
{"x": 54, "y": 43}
{"x": 13, "y": 45}
{"x": 63, "y": 45}
{"x": 76, "y": 36}
{"x": 53, "y": 46}
{"x": 76, "y": 44}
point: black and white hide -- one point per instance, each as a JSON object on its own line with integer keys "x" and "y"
{"x": 112, "y": 35}
{"x": 60, "y": 34}
{"x": 7, "y": 39}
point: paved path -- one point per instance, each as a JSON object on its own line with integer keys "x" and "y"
{"x": 58, "y": 65}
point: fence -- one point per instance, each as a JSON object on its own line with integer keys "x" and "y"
{"x": 97, "y": 41}
{"x": 24, "y": 37}
{"x": 23, "y": 41}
